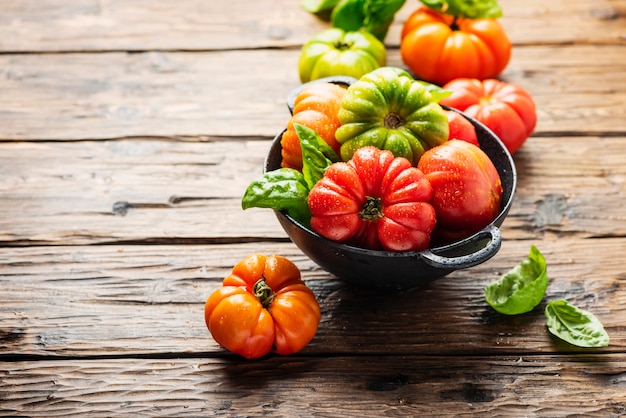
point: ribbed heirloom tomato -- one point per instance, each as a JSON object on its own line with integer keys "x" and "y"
{"x": 388, "y": 109}
{"x": 315, "y": 107}
{"x": 374, "y": 201}
{"x": 467, "y": 189}
{"x": 438, "y": 47}
{"x": 505, "y": 108}
{"x": 262, "y": 305}
{"x": 337, "y": 52}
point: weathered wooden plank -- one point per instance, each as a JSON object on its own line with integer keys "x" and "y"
{"x": 140, "y": 25}
{"x": 126, "y": 300}
{"x": 584, "y": 385}
{"x": 169, "y": 191}
{"x": 242, "y": 93}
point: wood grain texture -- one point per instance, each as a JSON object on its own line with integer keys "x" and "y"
{"x": 128, "y": 133}
{"x": 139, "y": 25}
{"x": 112, "y": 300}
{"x": 414, "y": 385}
{"x": 183, "y": 94}
{"x": 149, "y": 190}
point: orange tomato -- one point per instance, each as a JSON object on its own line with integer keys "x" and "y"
{"x": 262, "y": 305}
{"x": 315, "y": 107}
{"x": 438, "y": 48}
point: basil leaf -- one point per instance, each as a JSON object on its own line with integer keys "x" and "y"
{"x": 574, "y": 325}
{"x": 317, "y": 155}
{"x": 348, "y": 15}
{"x": 379, "y": 15}
{"x": 474, "y": 9}
{"x": 437, "y": 92}
{"x": 318, "y": 6}
{"x": 373, "y": 16}
{"x": 281, "y": 189}
{"x": 521, "y": 288}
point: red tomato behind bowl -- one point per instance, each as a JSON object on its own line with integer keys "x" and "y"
{"x": 467, "y": 189}
{"x": 505, "y": 108}
{"x": 461, "y": 128}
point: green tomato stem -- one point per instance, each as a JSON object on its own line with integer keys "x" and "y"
{"x": 263, "y": 293}
{"x": 372, "y": 210}
{"x": 393, "y": 121}
{"x": 342, "y": 46}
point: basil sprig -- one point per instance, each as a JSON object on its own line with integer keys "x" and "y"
{"x": 288, "y": 189}
{"x": 522, "y": 288}
{"x": 574, "y": 325}
{"x": 373, "y": 16}
{"x": 474, "y": 9}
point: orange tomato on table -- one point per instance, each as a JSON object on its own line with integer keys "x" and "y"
{"x": 263, "y": 305}
{"x": 438, "y": 47}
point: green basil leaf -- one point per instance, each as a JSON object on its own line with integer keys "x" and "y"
{"x": 437, "y": 92}
{"x": 379, "y": 15}
{"x": 373, "y": 16}
{"x": 318, "y": 6}
{"x": 317, "y": 155}
{"x": 521, "y": 288}
{"x": 348, "y": 15}
{"x": 473, "y": 9}
{"x": 281, "y": 189}
{"x": 574, "y": 325}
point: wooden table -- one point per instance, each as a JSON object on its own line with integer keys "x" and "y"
{"x": 128, "y": 133}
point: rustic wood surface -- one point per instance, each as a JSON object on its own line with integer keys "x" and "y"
{"x": 128, "y": 132}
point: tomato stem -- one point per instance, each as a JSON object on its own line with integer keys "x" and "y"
{"x": 342, "y": 46}
{"x": 455, "y": 25}
{"x": 372, "y": 210}
{"x": 263, "y": 293}
{"x": 393, "y": 121}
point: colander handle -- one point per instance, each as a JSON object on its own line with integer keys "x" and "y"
{"x": 491, "y": 232}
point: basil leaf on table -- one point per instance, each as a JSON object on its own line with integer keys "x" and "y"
{"x": 574, "y": 325}
{"x": 521, "y": 288}
{"x": 474, "y": 9}
{"x": 281, "y": 189}
{"x": 317, "y": 155}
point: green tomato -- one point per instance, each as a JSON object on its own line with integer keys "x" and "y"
{"x": 335, "y": 52}
{"x": 390, "y": 110}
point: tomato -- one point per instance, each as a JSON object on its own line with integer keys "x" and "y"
{"x": 373, "y": 201}
{"x": 467, "y": 190}
{"x": 439, "y": 48}
{"x": 461, "y": 128}
{"x": 262, "y": 305}
{"x": 336, "y": 52}
{"x": 505, "y": 108}
{"x": 388, "y": 109}
{"x": 315, "y": 107}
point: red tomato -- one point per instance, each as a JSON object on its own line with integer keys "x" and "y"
{"x": 461, "y": 128}
{"x": 505, "y": 108}
{"x": 262, "y": 304}
{"x": 439, "y": 48}
{"x": 374, "y": 201}
{"x": 467, "y": 190}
